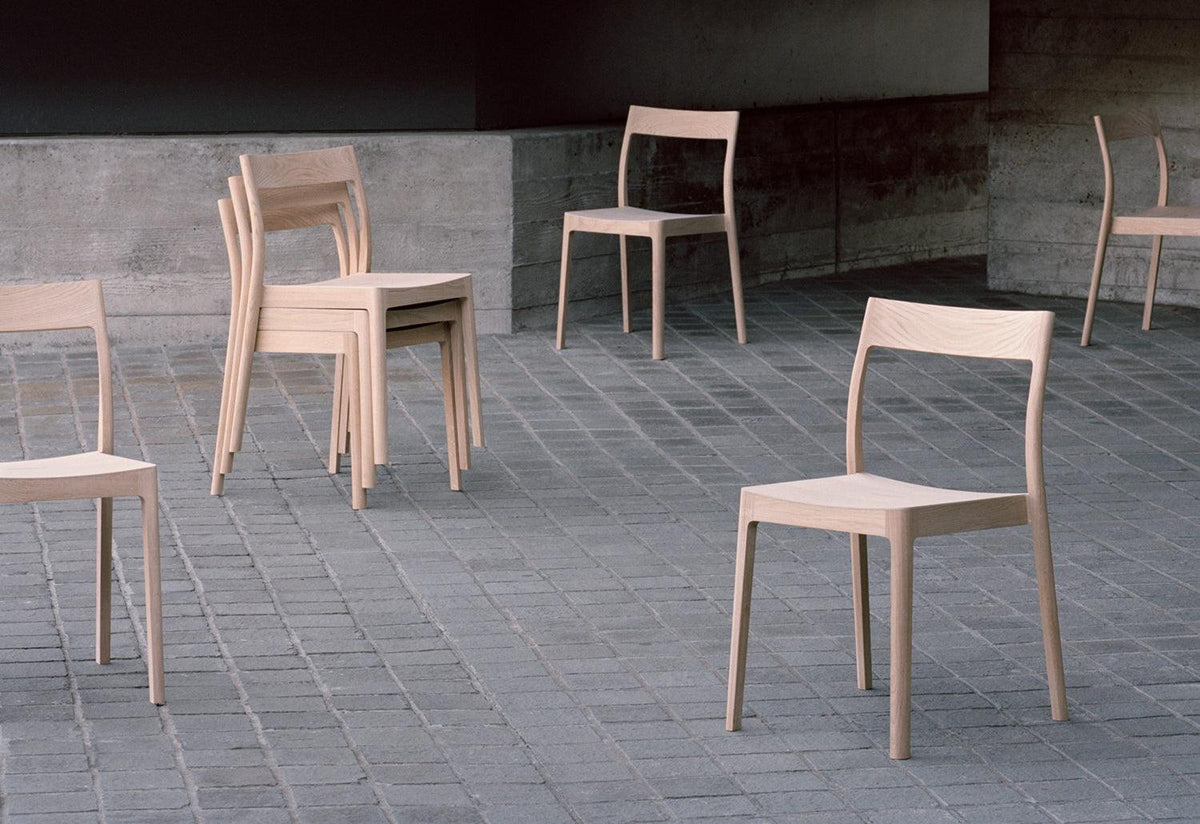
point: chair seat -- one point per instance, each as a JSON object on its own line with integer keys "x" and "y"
{"x": 357, "y": 291}
{"x": 1160, "y": 220}
{"x": 630, "y": 220}
{"x": 862, "y": 503}
{"x": 86, "y": 475}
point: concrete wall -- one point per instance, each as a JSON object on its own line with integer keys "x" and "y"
{"x": 542, "y": 64}
{"x": 818, "y": 189}
{"x": 1055, "y": 64}
{"x": 141, "y": 214}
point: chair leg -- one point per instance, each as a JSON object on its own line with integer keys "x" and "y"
{"x": 626, "y": 318}
{"x": 471, "y": 363}
{"x": 454, "y": 340}
{"x": 452, "y": 458}
{"x": 153, "y": 576}
{"x": 1048, "y": 605}
{"x": 564, "y": 280}
{"x": 364, "y": 418}
{"x": 227, "y": 388}
{"x": 378, "y": 374}
{"x": 901, "y": 646}
{"x": 337, "y": 420}
{"x": 104, "y": 519}
{"x": 1094, "y": 289}
{"x": 658, "y": 293}
{"x": 862, "y": 609}
{"x": 743, "y": 581}
{"x": 361, "y": 459}
{"x": 735, "y": 271}
{"x": 1152, "y": 281}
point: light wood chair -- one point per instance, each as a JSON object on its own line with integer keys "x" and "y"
{"x": 342, "y": 332}
{"x": 279, "y": 184}
{"x": 626, "y": 220}
{"x": 99, "y": 474}
{"x": 1159, "y": 220}
{"x": 864, "y": 504}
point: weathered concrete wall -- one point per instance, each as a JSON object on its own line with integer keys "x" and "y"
{"x": 1053, "y": 66}
{"x": 141, "y": 214}
{"x": 818, "y": 189}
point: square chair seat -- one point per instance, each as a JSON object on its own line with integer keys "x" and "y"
{"x": 630, "y": 220}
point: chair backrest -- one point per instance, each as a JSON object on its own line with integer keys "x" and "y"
{"x": 78, "y": 304}
{"x": 1128, "y": 126}
{"x": 681, "y": 123}
{"x": 961, "y": 332}
{"x": 319, "y": 187}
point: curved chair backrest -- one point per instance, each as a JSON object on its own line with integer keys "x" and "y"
{"x": 961, "y": 332}
{"x": 76, "y": 304}
{"x": 283, "y": 188}
{"x": 1128, "y": 126}
{"x": 681, "y": 123}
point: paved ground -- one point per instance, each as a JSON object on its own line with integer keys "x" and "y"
{"x": 550, "y": 645}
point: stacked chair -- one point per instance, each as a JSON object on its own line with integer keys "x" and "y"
{"x": 356, "y": 316}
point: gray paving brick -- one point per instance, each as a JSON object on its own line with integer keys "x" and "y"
{"x": 550, "y": 644}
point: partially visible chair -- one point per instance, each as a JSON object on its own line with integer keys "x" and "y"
{"x": 99, "y": 474}
{"x": 864, "y": 504}
{"x": 626, "y": 220}
{"x": 1159, "y": 220}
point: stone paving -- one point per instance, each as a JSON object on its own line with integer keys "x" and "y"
{"x": 551, "y": 644}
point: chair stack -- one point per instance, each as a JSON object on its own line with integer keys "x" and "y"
{"x": 355, "y": 316}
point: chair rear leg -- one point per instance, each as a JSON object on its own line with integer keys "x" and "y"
{"x": 735, "y": 271}
{"x": 1094, "y": 289}
{"x": 1048, "y": 606}
{"x": 862, "y": 609}
{"x": 1152, "y": 281}
{"x": 454, "y": 340}
{"x": 626, "y": 318}
{"x": 361, "y": 458}
{"x": 337, "y": 419}
{"x": 471, "y": 363}
{"x": 153, "y": 576}
{"x": 564, "y": 282}
{"x": 743, "y": 582}
{"x": 104, "y": 517}
{"x": 900, "y": 727}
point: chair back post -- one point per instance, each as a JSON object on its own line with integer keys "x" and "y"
{"x": 360, "y": 240}
{"x": 623, "y": 165}
{"x": 1106, "y": 157}
{"x": 959, "y": 332}
{"x": 1163, "y": 177}
{"x": 727, "y": 176}
{"x": 75, "y": 304}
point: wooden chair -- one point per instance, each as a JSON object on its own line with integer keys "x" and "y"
{"x": 1182, "y": 221}
{"x": 313, "y": 181}
{"x": 864, "y": 504}
{"x": 626, "y": 220}
{"x": 342, "y": 332}
{"x": 99, "y": 474}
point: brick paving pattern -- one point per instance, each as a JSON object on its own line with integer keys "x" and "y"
{"x": 551, "y": 644}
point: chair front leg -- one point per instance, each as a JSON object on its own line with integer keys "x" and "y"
{"x": 901, "y": 645}
{"x": 1152, "y": 281}
{"x": 471, "y": 363}
{"x": 454, "y": 341}
{"x": 658, "y": 293}
{"x": 152, "y": 574}
{"x": 104, "y": 520}
{"x": 338, "y": 422}
{"x": 626, "y": 318}
{"x": 743, "y": 582}
{"x": 564, "y": 282}
{"x": 862, "y": 609}
{"x": 448, "y": 402}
